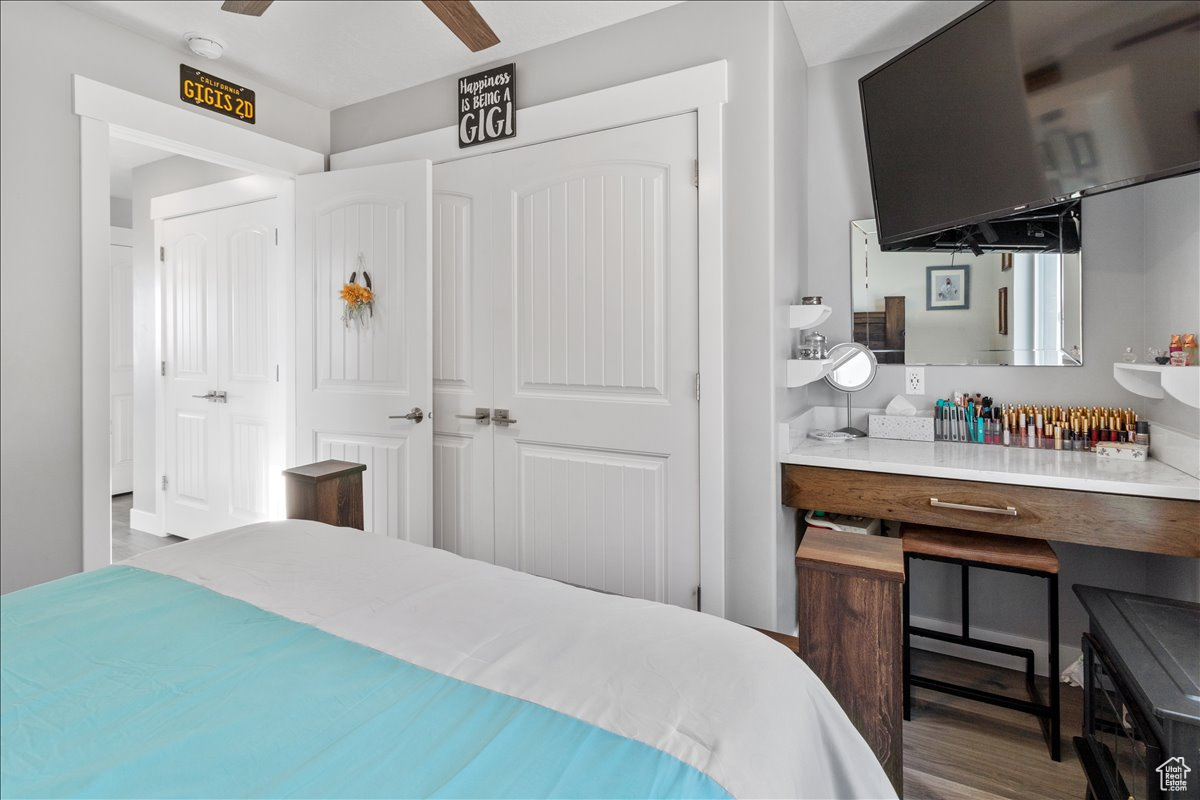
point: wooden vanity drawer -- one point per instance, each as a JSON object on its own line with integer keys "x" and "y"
{"x": 1146, "y": 524}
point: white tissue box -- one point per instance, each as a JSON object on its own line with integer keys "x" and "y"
{"x": 917, "y": 428}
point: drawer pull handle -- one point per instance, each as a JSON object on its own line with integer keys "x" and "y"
{"x": 1008, "y": 511}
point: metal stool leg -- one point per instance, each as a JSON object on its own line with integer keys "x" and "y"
{"x": 907, "y": 656}
{"x": 1055, "y": 733}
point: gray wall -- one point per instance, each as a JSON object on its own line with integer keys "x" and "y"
{"x": 745, "y": 34}
{"x": 1154, "y": 225}
{"x": 41, "y": 45}
{"x": 120, "y": 212}
{"x": 150, "y": 180}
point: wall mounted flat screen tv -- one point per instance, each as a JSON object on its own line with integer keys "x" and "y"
{"x": 1018, "y": 106}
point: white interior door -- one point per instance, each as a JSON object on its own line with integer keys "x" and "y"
{"x": 354, "y": 383}
{"x": 462, "y": 358}
{"x": 223, "y": 435}
{"x": 596, "y": 357}
{"x": 120, "y": 378}
{"x": 569, "y": 277}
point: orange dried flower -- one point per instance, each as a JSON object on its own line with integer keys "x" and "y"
{"x": 353, "y": 294}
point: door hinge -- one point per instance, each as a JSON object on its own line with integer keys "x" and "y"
{"x": 164, "y": 483}
{"x": 162, "y": 368}
{"x": 277, "y": 373}
{"x": 696, "y": 172}
{"x": 697, "y": 597}
{"x": 162, "y": 254}
{"x": 277, "y": 236}
{"x": 697, "y": 385}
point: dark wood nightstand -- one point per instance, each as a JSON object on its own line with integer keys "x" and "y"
{"x": 327, "y": 491}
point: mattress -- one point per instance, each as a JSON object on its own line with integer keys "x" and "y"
{"x": 294, "y": 659}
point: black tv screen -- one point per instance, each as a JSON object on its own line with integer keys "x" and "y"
{"x": 1018, "y": 106}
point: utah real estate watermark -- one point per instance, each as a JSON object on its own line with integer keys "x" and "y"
{"x": 1172, "y": 775}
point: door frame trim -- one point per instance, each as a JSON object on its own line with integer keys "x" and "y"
{"x": 704, "y": 90}
{"x": 215, "y": 196}
{"x": 106, "y": 111}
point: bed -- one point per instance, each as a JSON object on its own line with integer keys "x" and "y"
{"x": 295, "y": 659}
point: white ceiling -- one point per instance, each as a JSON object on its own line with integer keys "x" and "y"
{"x": 332, "y": 54}
{"x": 123, "y": 156}
{"x": 831, "y": 30}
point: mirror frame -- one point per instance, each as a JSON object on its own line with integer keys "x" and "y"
{"x": 854, "y": 347}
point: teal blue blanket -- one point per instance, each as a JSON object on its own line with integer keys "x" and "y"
{"x": 126, "y": 683}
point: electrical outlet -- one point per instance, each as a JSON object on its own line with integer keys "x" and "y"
{"x": 914, "y": 380}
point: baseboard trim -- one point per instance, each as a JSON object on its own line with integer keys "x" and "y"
{"x": 146, "y": 522}
{"x": 1066, "y": 653}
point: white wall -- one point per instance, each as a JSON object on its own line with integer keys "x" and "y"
{"x": 1171, "y": 253}
{"x": 41, "y": 45}
{"x": 685, "y": 35}
{"x": 789, "y": 220}
{"x": 1155, "y": 225}
{"x": 173, "y": 174}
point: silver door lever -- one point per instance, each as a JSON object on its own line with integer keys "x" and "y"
{"x": 480, "y": 416}
{"x": 212, "y": 396}
{"x": 416, "y": 415}
{"x": 502, "y": 418}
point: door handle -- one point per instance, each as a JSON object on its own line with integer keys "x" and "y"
{"x": 213, "y": 396}
{"x": 502, "y": 418}
{"x": 480, "y": 416}
{"x": 1008, "y": 511}
{"x": 416, "y": 415}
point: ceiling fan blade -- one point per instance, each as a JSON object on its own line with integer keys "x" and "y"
{"x": 251, "y": 8}
{"x": 464, "y": 22}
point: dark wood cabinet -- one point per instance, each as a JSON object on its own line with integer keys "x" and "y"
{"x": 849, "y": 604}
{"x": 327, "y": 491}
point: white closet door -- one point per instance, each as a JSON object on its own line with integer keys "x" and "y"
{"x": 597, "y": 483}
{"x": 223, "y": 456}
{"x": 120, "y": 361}
{"x": 352, "y": 383}
{"x": 462, "y": 358}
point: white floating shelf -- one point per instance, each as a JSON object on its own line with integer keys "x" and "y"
{"x": 1155, "y": 381}
{"x": 808, "y": 316}
{"x": 801, "y": 372}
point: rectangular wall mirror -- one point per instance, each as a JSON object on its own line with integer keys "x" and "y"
{"x": 1012, "y": 309}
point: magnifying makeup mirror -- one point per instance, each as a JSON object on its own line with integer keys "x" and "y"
{"x": 854, "y": 367}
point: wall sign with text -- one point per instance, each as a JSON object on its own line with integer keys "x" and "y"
{"x": 215, "y": 94}
{"x": 487, "y": 106}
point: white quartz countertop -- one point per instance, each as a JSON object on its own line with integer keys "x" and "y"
{"x": 1054, "y": 469}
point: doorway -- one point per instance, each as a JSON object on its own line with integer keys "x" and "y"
{"x": 106, "y": 111}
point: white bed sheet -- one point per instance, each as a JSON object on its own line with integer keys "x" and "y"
{"x": 721, "y": 697}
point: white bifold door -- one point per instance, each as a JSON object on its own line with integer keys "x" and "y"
{"x": 364, "y": 391}
{"x": 223, "y": 411}
{"x": 565, "y": 360}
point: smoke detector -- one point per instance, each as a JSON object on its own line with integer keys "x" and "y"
{"x": 203, "y": 45}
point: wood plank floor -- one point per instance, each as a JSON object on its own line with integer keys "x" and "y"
{"x": 126, "y": 542}
{"x": 956, "y": 749}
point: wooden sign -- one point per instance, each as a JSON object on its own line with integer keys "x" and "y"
{"x": 487, "y": 106}
{"x": 215, "y": 94}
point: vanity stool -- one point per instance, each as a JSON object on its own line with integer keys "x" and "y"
{"x": 985, "y": 551}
